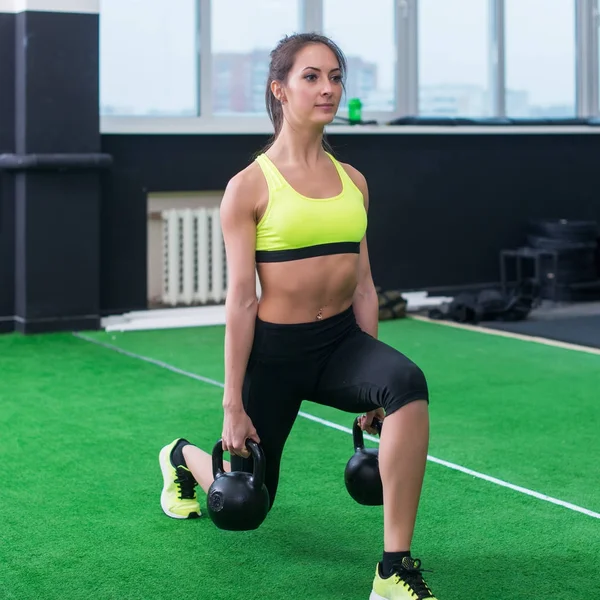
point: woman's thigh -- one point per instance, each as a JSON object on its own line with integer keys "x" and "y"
{"x": 364, "y": 373}
{"x": 272, "y": 405}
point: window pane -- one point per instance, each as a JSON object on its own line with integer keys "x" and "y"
{"x": 367, "y": 36}
{"x": 148, "y": 58}
{"x": 540, "y": 58}
{"x": 243, "y": 35}
{"x": 454, "y": 68}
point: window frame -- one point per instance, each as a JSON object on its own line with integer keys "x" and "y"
{"x": 587, "y": 67}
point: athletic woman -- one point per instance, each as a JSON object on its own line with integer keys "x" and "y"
{"x": 299, "y": 217}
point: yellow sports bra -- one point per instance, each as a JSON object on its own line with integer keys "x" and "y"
{"x": 295, "y": 226}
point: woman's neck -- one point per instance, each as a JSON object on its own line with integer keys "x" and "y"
{"x": 300, "y": 147}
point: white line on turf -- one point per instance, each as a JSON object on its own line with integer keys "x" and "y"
{"x": 332, "y": 425}
{"x": 510, "y": 334}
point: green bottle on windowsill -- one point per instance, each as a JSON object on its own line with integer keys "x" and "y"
{"x": 354, "y": 110}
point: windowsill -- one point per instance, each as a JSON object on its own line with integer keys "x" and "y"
{"x": 260, "y": 126}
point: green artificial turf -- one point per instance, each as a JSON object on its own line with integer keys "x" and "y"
{"x": 81, "y": 427}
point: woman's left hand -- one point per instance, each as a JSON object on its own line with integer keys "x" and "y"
{"x": 367, "y": 420}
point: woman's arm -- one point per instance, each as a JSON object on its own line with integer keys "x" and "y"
{"x": 238, "y": 209}
{"x": 365, "y": 301}
{"x": 239, "y": 232}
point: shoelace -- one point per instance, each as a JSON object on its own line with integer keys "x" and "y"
{"x": 186, "y": 484}
{"x": 409, "y": 570}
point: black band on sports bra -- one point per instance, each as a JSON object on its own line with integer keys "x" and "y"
{"x": 264, "y": 256}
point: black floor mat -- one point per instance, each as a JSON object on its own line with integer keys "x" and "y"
{"x": 584, "y": 331}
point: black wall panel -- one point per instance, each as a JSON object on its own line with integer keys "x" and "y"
{"x": 442, "y": 206}
{"x": 7, "y": 141}
{"x": 57, "y": 262}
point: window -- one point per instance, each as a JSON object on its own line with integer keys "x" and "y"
{"x": 243, "y": 35}
{"x": 367, "y": 36}
{"x": 454, "y": 70}
{"x": 148, "y": 58}
{"x": 540, "y": 58}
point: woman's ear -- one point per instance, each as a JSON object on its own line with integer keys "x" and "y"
{"x": 277, "y": 91}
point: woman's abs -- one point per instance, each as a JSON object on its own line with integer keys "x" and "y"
{"x": 307, "y": 290}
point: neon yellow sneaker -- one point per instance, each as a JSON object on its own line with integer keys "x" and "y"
{"x": 178, "y": 498}
{"x": 405, "y": 583}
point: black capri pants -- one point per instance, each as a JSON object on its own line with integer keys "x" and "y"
{"x": 331, "y": 362}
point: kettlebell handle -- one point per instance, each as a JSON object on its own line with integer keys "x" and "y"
{"x": 258, "y": 474}
{"x": 357, "y": 432}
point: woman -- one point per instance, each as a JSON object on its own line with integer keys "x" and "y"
{"x": 299, "y": 216}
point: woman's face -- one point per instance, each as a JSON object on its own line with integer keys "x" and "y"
{"x": 313, "y": 90}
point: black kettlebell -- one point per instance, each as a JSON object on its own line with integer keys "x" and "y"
{"x": 362, "y": 477}
{"x": 238, "y": 501}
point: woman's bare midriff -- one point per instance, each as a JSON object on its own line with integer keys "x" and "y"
{"x": 307, "y": 290}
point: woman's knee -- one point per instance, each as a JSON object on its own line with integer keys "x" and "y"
{"x": 417, "y": 381}
{"x": 407, "y": 383}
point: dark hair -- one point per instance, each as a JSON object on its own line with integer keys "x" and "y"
{"x": 282, "y": 61}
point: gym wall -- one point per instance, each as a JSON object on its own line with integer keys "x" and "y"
{"x": 73, "y": 241}
{"x": 442, "y": 206}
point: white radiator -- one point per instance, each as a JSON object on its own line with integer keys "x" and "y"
{"x": 194, "y": 262}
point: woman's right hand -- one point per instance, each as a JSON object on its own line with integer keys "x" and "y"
{"x": 237, "y": 428}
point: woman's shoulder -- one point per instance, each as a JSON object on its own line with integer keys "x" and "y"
{"x": 246, "y": 192}
{"x": 356, "y": 176}
{"x": 248, "y": 180}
